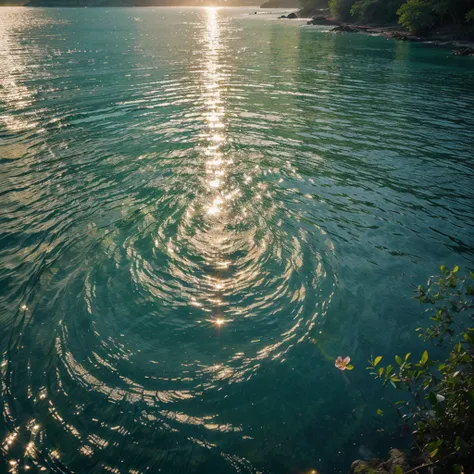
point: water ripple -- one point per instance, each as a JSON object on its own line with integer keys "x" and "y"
{"x": 177, "y": 217}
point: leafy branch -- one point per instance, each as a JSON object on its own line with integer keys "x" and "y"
{"x": 438, "y": 401}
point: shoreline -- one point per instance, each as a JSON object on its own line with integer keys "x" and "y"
{"x": 443, "y": 38}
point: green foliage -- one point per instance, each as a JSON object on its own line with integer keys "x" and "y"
{"x": 376, "y": 11}
{"x": 438, "y": 404}
{"x": 364, "y": 9}
{"x": 341, "y": 9}
{"x": 420, "y": 15}
{"x": 416, "y": 15}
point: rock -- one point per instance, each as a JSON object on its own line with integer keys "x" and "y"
{"x": 365, "y": 467}
{"x": 464, "y": 52}
{"x": 403, "y": 36}
{"x": 397, "y": 458}
{"x": 376, "y": 466}
{"x": 322, "y": 20}
{"x": 283, "y": 16}
{"x": 292, "y": 15}
{"x": 346, "y": 29}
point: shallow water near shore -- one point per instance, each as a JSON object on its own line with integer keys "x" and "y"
{"x": 201, "y": 210}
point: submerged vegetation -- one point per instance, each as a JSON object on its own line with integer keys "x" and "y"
{"x": 417, "y": 16}
{"x": 437, "y": 401}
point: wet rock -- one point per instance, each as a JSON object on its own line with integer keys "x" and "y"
{"x": 376, "y": 466}
{"x": 292, "y": 15}
{"x": 365, "y": 467}
{"x": 322, "y": 20}
{"x": 346, "y": 29}
{"x": 464, "y": 52}
{"x": 398, "y": 458}
{"x": 403, "y": 36}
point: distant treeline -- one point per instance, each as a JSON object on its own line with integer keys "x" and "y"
{"x": 129, "y": 3}
{"x": 415, "y": 15}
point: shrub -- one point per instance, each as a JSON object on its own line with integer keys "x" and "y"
{"x": 439, "y": 401}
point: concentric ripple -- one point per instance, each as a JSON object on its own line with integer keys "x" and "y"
{"x": 194, "y": 286}
{"x": 192, "y": 197}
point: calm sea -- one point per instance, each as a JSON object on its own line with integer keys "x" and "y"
{"x": 200, "y": 210}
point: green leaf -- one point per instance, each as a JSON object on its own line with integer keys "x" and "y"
{"x": 432, "y": 398}
{"x": 434, "y": 452}
{"x": 458, "y": 469}
{"x": 435, "y": 444}
{"x": 398, "y": 470}
{"x": 470, "y": 395}
{"x": 427, "y": 382}
{"x": 443, "y": 269}
{"x": 377, "y": 360}
{"x": 399, "y": 360}
{"x": 379, "y": 412}
{"x": 455, "y": 269}
{"x": 380, "y": 371}
{"x": 461, "y": 445}
{"x": 472, "y": 274}
{"x": 424, "y": 358}
{"x": 349, "y": 367}
{"x": 407, "y": 356}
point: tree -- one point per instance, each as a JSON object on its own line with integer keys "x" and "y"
{"x": 416, "y": 15}
{"x": 420, "y": 15}
{"x": 376, "y": 11}
{"x": 341, "y": 9}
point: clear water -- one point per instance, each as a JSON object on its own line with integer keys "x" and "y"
{"x": 201, "y": 210}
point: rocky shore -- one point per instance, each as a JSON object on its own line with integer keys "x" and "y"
{"x": 442, "y": 37}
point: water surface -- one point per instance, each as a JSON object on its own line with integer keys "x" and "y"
{"x": 200, "y": 211}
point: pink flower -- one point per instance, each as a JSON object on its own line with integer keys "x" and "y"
{"x": 343, "y": 364}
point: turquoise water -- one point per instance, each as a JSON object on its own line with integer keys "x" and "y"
{"x": 201, "y": 210}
